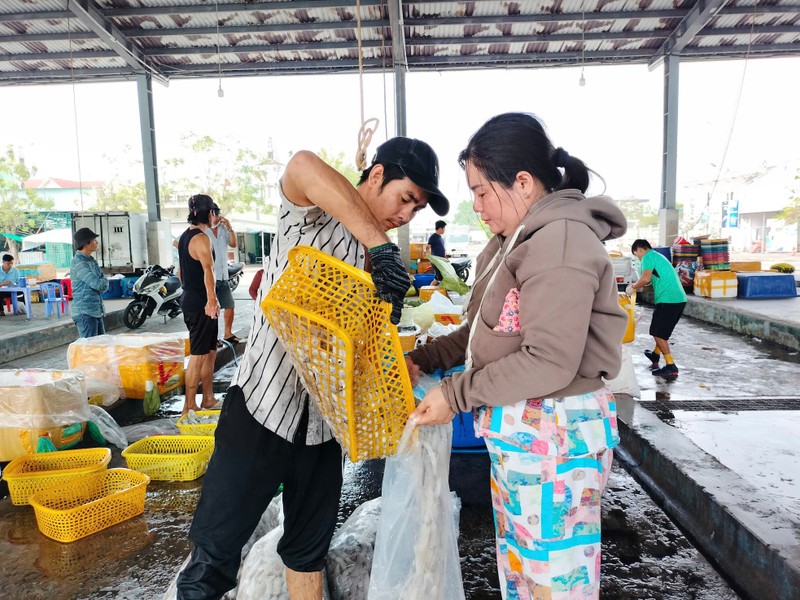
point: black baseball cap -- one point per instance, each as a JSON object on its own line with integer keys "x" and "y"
{"x": 420, "y": 164}
{"x": 201, "y": 202}
{"x": 83, "y": 236}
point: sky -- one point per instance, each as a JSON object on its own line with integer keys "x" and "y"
{"x": 734, "y": 116}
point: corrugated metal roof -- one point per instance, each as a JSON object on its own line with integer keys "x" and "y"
{"x": 58, "y": 40}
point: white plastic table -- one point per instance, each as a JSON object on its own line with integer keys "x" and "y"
{"x": 26, "y": 292}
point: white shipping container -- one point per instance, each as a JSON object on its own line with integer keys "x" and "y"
{"x": 123, "y": 239}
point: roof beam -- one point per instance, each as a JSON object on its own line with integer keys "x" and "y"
{"x": 699, "y": 16}
{"x": 57, "y": 55}
{"x": 48, "y": 37}
{"x": 91, "y": 17}
{"x": 189, "y": 9}
{"x": 413, "y": 42}
{"x": 238, "y": 29}
{"x": 35, "y": 16}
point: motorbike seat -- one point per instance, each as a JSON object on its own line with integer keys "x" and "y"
{"x": 234, "y": 268}
{"x": 172, "y": 283}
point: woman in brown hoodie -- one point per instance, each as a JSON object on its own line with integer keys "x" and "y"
{"x": 544, "y": 328}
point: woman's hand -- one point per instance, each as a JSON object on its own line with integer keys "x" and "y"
{"x": 414, "y": 371}
{"x": 434, "y": 409}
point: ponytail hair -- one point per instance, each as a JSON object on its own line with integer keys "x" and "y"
{"x": 514, "y": 142}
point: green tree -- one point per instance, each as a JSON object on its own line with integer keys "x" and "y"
{"x": 254, "y": 185}
{"x": 16, "y": 202}
{"x": 339, "y": 162}
{"x": 464, "y": 215}
{"x": 129, "y": 196}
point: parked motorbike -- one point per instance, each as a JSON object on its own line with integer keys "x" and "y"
{"x": 157, "y": 291}
{"x": 462, "y": 267}
{"x": 235, "y": 272}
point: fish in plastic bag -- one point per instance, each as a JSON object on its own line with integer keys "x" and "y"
{"x": 350, "y": 554}
{"x": 416, "y": 548}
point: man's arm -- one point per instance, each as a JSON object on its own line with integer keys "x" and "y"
{"x": 643, "y": 281}
{"x": 231, "y": 234}
{"x": 200, "y": 250}
{"x": 92, "y": 277}
{"x": 309, "y": 181}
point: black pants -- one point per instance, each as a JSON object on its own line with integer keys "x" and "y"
{"x": 248, "y": 465}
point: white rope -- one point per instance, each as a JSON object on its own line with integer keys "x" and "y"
{"x": 368, "y": 126}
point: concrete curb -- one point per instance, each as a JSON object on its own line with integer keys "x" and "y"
{"x": 778, "y": 332}
{"x": 49, "y": 337}
{"x": 749, "y": 536}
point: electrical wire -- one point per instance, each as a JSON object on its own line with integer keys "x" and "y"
{"x": 733, "y": 123}
{"x": 75, "y": 110}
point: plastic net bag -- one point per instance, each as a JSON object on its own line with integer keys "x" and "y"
{"x": 350, "y": 554}
{"x": 416, "y": 549}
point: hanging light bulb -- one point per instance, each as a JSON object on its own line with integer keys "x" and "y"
{"x": 582, "y": 80}
{"x": 221, "y": 92}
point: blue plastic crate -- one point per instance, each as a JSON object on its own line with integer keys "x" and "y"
{"x": 766, "y": 285}
{"x": 423, "y": 279}
{"x": 114, "y": 289}
{"x": 127, "y": 286}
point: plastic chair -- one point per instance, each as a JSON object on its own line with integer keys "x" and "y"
{"x": 53, "y": 297}
{"x": 66, "y": 287}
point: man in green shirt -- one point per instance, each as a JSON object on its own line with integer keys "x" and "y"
{"x": 670, "y": 300}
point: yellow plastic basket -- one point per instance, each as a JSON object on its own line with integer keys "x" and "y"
{"x": 31, "y": 473}
{"x": 199, "y": 428}
{"x": 339, "y": 337}
{"x": 170, "y": 457}
{"x": 89, "y": 504}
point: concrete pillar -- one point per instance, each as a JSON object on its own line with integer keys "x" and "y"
{"x": 668, "y": 214}
{"x": 667, "y": 226}
{"x": 159, "y": 243}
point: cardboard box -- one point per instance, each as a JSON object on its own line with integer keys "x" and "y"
{"x": 426, "y": 292}
{"x": 40, "y": 403}
{"x": 423, "y": 266}
{"x": 40, "y": 271}
{"x": 419, "y": 250}
{"x": 746, "y": 266}
{"x": 129, "y": 361}
{"x": 715, "y": 284}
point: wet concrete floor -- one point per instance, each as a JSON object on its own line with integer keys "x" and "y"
{"x": 645, "y": 555}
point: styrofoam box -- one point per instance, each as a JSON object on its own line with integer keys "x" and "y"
{"x": 715, "y": 284}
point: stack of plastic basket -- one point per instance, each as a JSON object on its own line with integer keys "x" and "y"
{"x": 715, "y": 255}
{"x": 340, "y": 340}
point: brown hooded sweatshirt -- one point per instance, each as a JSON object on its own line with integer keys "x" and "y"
{"x": 570, "y": 319}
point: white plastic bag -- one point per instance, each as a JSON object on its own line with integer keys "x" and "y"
{"x": 625, "y": 382}
{"x": 110, "y": 429}
{"x": 350, "y": 554}
{"x": 416, "y": 549}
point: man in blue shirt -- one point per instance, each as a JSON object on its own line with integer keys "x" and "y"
{"x": 9, "y": 276}
{"x": 88, "y": 285}
{"x": 436, "y": 240}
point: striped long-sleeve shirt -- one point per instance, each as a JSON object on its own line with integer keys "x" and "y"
{"x": 274, "y": 393}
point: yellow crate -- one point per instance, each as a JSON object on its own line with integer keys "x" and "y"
{"x": 32, "y": 473}
{"x": 339, "y": 337}
{"x": 170, "y": 457}
{"x": 199, "y": 428}
{"x": 89, "y": 504}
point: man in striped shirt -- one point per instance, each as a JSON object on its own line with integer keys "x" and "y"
{"x": 269, "y": 431}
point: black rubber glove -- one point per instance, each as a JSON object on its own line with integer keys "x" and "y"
{"x": 390, "y": 276}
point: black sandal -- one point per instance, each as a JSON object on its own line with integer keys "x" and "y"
{"x": 233, "y": 340}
